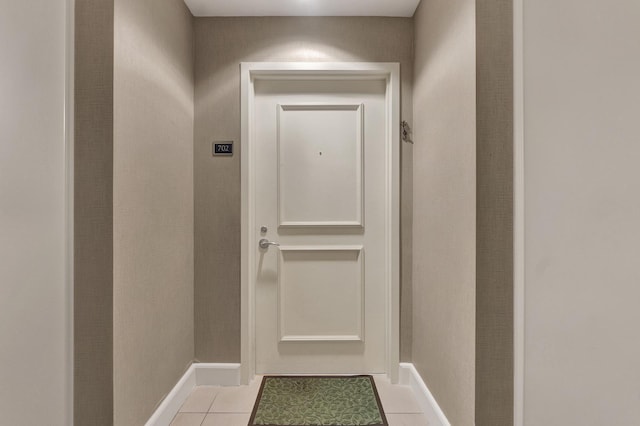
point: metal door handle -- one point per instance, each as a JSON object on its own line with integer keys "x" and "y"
{"x": 264, "y": 243}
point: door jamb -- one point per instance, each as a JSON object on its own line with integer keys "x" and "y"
{"x": 390, "y": 72}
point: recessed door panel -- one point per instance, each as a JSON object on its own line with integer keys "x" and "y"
{"x": 321, "y": 294}
{"x": 320, "y": 164}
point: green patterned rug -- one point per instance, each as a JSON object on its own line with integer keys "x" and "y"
{"x": 318, "y": 401}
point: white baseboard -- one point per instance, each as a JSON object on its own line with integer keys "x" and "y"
{"x": 169, "y": 407}
{"x": 409, "y": 376}
{"x": 199, "y": 374}
{"x": 217, "y": 374}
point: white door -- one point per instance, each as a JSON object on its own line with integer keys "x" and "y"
{"x": 320, "y": 179}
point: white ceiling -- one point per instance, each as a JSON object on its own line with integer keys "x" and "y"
{"x": 404, "y": 8}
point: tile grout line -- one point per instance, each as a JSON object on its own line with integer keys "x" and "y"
{"x": 204, "y": 418}
{"x": 214, "y": 400}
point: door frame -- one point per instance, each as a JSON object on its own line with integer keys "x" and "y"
{"x": 390, "y": 73}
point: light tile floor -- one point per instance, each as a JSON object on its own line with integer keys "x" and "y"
{"x": 232, "y": 406}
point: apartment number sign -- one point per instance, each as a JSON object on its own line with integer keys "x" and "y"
{"x": 223, "y": 148}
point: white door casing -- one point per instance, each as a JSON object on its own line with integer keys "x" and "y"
{"x": 315, "y": 198}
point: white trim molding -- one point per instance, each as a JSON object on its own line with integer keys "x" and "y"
{"x": 217, "y": 374}
{"x": 390, "y": 72}
{"x": 519, "y": 214}
{"x": 409, "y": 376}
{"x": 198, "y": 374}
{"x": 169, "y": 407}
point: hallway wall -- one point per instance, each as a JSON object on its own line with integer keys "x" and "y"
{"x": 582, "y": 210}
{"x": 93, "y": 214}
{"x": 444, "y": 257}
{"x": 494, "y": 245}
{"x": 221, "y": 44}
{"x": 35, "y": 303}
{"x": 133, "y": 207}
{"x": 153, "y": 87}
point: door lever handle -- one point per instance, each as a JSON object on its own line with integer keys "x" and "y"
{"x": 264, "y": 243}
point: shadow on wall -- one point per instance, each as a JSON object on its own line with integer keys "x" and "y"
{"x": 157, "y": 58}
{"x": 439, "y": 54}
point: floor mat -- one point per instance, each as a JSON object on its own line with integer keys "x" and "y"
{"x": 318, "y": 401}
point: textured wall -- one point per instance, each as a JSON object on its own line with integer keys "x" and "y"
{"x": 35, "y": 338}
{"x": 581, "y": 108}
{"x": 221, "y": 44}
{"x": 93, "y": 206}
{"x": 494, "y": 257}
{"x": 152, "y": 204}
{"x": 444, "y": 258}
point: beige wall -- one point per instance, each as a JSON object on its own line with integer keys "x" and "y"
{"x": 582, "y": 180}
{"x": 152, "y": 204}
{"x": 444, "y": 280}
{"x": 35, "y": 304}
{"x": 221, "y": 44}
{"x": 93, "y": 217}
{"x": 494, "y": 256}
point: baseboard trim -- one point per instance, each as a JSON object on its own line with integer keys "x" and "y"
{"x": 217, "y": 374}
{"x": 409, "y": 376}
{"x": 198, "y": 374}
{"x": 169, "y": 407}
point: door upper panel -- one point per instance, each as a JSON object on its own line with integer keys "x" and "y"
{"x": 320, "y": 180}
